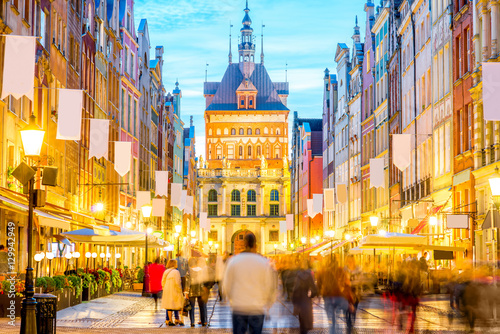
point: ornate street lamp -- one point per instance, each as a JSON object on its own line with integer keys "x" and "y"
{"x": 102, "y": 256}
{"x": 210, "y": 243}
{"x": 88, "y": 255}
{"x": 178, "y": 229}
{"x": 94, "y": 256}
{"x": 49, "y": 256}
{"x": 76, "y": 255}
{"x": 146, "y": 213}
{"x": 275, "y": 246}
{"x": 330, "y": 234}
{"x": 303, "y": 240}
{"x": 32, "y": 140}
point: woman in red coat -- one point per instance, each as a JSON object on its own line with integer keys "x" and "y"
{"x": 155, "y": 274}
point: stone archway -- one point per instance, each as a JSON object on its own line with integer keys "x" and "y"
{"x": 237, "y": 241}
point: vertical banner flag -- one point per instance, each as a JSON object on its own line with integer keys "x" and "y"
{"x": 19, "y": 67}
{"x": 491, "y": 91}
{"x": 401, "y": 151}
{"x": 143, "y": 198}
{"x": 329, "y": 197}
{"x": 289, "y": 222}
{"x": 175, "y": 199}
{"x": 203, "y": 221}
{"x": 158, "y": 207}
{"x": 161, "y": 183}
{"x": 310, "y": 208}
{"x": 99, "y": 138}
{"x": 69, "y": 114}
{"x": 283, "y": 226}
{"x": 377, "y": 176}
{"x": 183, "y": 199}
{"x": 189, "y": 205}
{"x": 341, "y": 192}
{"x": 123, "y": 157}
{"x": 318, "y": 203}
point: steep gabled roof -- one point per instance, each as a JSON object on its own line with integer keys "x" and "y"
{"x": 225, "y": 91}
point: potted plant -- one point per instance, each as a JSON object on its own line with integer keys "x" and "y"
{"x": 62, "y": 291}
{"x": 139, "y": 281}
{"x": 76, "y": 287}
{"x": 89, "y": 286}
{"x": 11, "y": 290}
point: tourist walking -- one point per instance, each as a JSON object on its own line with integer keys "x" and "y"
{"x": 250, "y": 288}
{"x": 182, "y": 266}
{"x": 304, "y": 290}
{"x": 156, "y": 271}
{"x": 334, "y": 287}
{"x": 195, "y": 282}
{"x": 172, "y": 299}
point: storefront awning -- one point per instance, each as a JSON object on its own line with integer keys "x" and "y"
{"x": 424, "y": 222}
{"x": 103, "y": 235}
{"x": 328, "y": 248}
{"x": 392, "y": 239}
{"x": 314, "y": 247}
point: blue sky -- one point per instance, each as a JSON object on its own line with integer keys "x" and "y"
{"x": 302, "y": 33}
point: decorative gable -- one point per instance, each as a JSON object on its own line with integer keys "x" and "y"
{"x": 246, "y": 95}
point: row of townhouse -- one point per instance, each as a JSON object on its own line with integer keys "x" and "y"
{"x": 418, "y": 72}
{"x": 92, "y": 46}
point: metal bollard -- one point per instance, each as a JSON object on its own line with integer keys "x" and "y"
{"x": 46, "y": 312}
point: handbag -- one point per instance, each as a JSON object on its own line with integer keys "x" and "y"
{"x": 187, "y": 307}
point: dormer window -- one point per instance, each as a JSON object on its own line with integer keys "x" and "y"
{"x": 250, "y": 102}
{"x": 242, "y": 103}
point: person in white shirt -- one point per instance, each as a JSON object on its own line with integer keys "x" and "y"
{"x": 250, "y": 287}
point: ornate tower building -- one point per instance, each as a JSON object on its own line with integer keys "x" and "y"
{"x": 244, "y": 183}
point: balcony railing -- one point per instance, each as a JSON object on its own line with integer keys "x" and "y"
{"x": 237, "y": 172}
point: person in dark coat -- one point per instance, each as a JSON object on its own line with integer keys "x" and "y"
{"x": 304, "y": 290}
{"x": 155, "y": 274}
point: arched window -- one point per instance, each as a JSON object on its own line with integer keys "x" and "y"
{"x": 209, "y": 132}
{"x": 217, "y": 132}
{"x": 233, "y": 132}
{"x": 249, "y": 151}
{"x": 275, "y": 195}
{"x": 266, "y": 131}
{"x": 251, "y": 196}
{"x": 235, "y": 196}
{"x": 259, "y": 151}
{"x": 242, "y": 132}
{"x": 278, "y": 131}
{"x": 257, "y": 131}
{"x": 249, "y": 131}
{"x": 212, "y": 195}
{"x": 226, "y": 131}
{"x": 240, "y": 150}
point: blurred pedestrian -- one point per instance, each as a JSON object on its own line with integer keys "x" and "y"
{"x": 354, "y": 273}
{"x": 155, "y": 280}
{"x": 334, "y": 287}
{"x": 196, "y": 280}
{"x": 303, "y": 291}
{"x": 412, "y": 289}
{"x": 172, "y": 299}
{"x": 219, "y": 273}
{"x": 250, "y": 287}
{"x": 182, "y": 266}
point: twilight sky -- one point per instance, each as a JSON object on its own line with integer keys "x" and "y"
{"x": 302, "y": 33}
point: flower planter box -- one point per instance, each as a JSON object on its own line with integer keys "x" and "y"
{"x": 5, "y": 303}
{"x": 86, "y": 294}
{"x": 73, "y": 299}
{"x": 63, "y": 298}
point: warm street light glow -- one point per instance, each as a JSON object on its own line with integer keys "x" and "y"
{"x": 38, "y": 257}
{"x": 102, "y": 255}
{"x": 176, "y": 235}
{"x": 118, "y": 255}
{"x": 382, "y": 233}
{"x": 193, "y": 233}
{"x": 303, "y": 240}
{"x": 98, "y": 207}
{"x": 68, "y": 256}
{"x": 347, "y": 236}
{"x": 108, "y": 255}
{"x": 32, "y": 138}
{"x": 495, "y": 183}
{"x": 275, "y": 246}
{"x": 291, "y": 245}
{"x": 76, "y": 255}
{"x": 210, "y": 243}
{"x": 88, "y": 255}
{"x": 146, "y": 211}
{"x": 216, "y": 246}
{"x": 178, "y": 228}
{"x": 313, "y": 240}
{"x": 94, "y": 255}
{"x": 330, "y": 233}
{"x": 374, "y": 221}
{"x": 433, "y": 221}
{"x": 128, "y": 224}
{"x": 169, "y": 248}
{"x": 49, "y": 255}
{"x": 149, "y": 230}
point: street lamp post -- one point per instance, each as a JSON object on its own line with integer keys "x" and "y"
{"x": 178, "y": 229}
{"x": 303, "y": 240}
{"x": 94, "y": 256}
{"x": 210, "y": 243}
{"x": 32, "y": 140}
{"x": 275, "y": 246}
{"x": 146, "y": 213}
{"x": 330, "y": 234}
{"x": 88, "y": 255}
{"x": 49, "y": 256}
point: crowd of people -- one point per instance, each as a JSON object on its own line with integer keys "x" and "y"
{"x": 251, "y": 284}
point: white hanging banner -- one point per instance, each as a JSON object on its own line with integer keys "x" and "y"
{"x": 189, "y": 205}
{"x": 401, "y": 151}
{"x": 329, "y": 198}
{"x": 377, "y": 176}
{"x": 158, "y": 207}
{"x": 123, "y": 157}
{"x": 183, "y": 199}
{"x": 69, "y": 114}
{"x": 204, "y": 224}
{"x": 99, "y": 138}
{"x": 161, "y": 188}
{"x": 142, "y": 198}
{"x": 318, "y": 203}
{"x": 19, "y": 67}
{"x": 491, "y": 91}
{"x": 283, "y": 226}
{"x": 289, "y": 222}
{"x": 310, "y": 208}
{"x": 341, "y": 192}
{"x": 175, "y": 199}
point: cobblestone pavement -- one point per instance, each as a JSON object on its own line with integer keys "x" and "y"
{"x": 128, "y": 312}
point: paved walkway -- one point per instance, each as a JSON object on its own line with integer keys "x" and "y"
{"x": 128, "y": 312}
